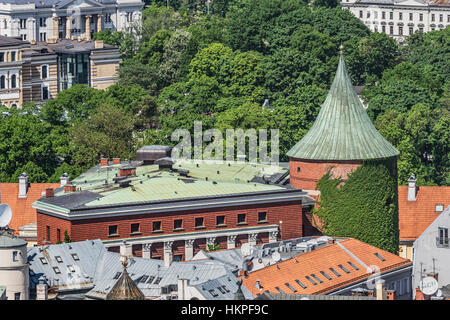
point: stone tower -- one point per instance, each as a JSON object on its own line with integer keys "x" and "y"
{"x": 341, "y": 137}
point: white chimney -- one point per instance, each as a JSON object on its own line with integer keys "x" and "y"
{"x": 64, "y": 179}
{"x": 41, "y": 290}
{"x": 182, "y": 288}
{"x": 126, "y": 249}
{"x": 381, "y": 293}
{"x": 23, "y": 185}
{"x": 412, "y": 189}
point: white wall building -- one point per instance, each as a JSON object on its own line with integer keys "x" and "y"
{"x": 400, "y": 18}
{"x": 13, "y": 266}
{"x": 43, "y": 20}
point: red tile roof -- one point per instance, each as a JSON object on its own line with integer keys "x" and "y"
{"x": 22, "y": 211}
{"x": 323, "y": 259}
{"x": 415, "y": 216}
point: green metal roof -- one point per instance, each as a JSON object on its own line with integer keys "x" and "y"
{"x": 152, "y": 184}
{"x": 342, "y": 130}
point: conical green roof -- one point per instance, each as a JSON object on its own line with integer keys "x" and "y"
{"x": 342, "y": 130}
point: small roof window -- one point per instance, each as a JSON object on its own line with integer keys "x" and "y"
{"x": 59, "y": 259}
{"x": 279, "y": 290}
{"x": 300, "y": 284}
{"x": 71, "y": 268}
{"x": 75, "y": 257}
{"x": 291, "y": 287}
{"x": 143, "y": 279}
{"x": 311, "y": 280}
{"x": 343, "y": 268}
{"x": 379, "y": 257}
{"x": 325, "y": 275}
{"x": 335, "y": 272}
{"x": 315, "y": 277}
{"x": 213, "y": 293}
{"x": 353, "y": 266}
{"x": 117, "y": 275}
{"x": 43, "y": 260}
{"x": 56, "y": 269}
{"x": 439, "y": 207}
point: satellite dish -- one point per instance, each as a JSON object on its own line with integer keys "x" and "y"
{"x": 276, "y": 256}
{"x": 5, "y": 215}
{"x": 428, "y": 286}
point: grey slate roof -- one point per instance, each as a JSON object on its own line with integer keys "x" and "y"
{"x": 342, "y": 129}
{"x": 88, "y": 252}
{"x": 109, "y": 266}
{"x": 222, "y": 288}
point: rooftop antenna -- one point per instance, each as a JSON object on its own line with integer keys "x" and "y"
{"x": 5, "y": 215}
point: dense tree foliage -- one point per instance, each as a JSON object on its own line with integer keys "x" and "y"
{"x": 218, "y": 63}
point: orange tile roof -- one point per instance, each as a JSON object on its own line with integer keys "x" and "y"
{"x": 415, "y": 216}
{"x": 323, "y": 259}
{"x": 22, "y": 211}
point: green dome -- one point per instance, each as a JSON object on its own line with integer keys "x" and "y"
{"x": 342, "y": 129}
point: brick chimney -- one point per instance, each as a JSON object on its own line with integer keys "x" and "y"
{"x": 412, "y": 188}
{"x": 116, "y": 160}
{"x": 23, "y": 185}
{"x": 390, "y": 294}
{"x": 103, "y": 161}
{"x": 64, "y": 179}
{"x": 69, "y": 187}
{"x": 126, "y": 171}
{"x": 49, "y": 192}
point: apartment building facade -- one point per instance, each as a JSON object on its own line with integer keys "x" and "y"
{"x": 400, "y": 18}
{"x": 54, "y": 19}
{"x": 36, "y": 72}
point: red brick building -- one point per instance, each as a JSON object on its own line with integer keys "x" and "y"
{"x": 171, "y": 213}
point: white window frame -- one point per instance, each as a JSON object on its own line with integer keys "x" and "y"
{"x": 42, "y": 91}
{"x": 45, "y": 65}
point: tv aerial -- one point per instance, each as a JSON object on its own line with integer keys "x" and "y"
{"x": 5, "y": 215}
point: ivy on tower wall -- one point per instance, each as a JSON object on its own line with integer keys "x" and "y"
{"x": 365, "y": 207}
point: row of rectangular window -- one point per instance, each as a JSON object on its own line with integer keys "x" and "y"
{"x": 400, "y": 16}
{"x": 12, "y": 56}
{"x": 178, "y": 223}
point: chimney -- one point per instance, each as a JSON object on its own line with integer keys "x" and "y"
{"x": 331, "y": 241}
{"x": 49, "y": 192}
{"x": 64, "y": 179}
{"x": 381, "y": 292}
{"x": 98, "y": 44}
{"x": 41, "y": 290}
{"x": 126, "y": 249}
{"x": 103, "y": 161}
{"x": 23, "y": 185}
{"x": 412, "y": 189}
{"x": 69, "y": 187}
{"x": 116, "y": 160}
{"x": 126, "y": 171}
{"x": 390, "y": 294}
{"x": 182, "y": 288}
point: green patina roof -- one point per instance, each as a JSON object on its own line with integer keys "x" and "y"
{"x": 152, "y": 184}
{"x": 342, "y": 130}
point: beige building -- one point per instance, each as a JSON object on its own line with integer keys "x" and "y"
{"x": 400, "y": 18}
{"x": 37, "y": 71}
